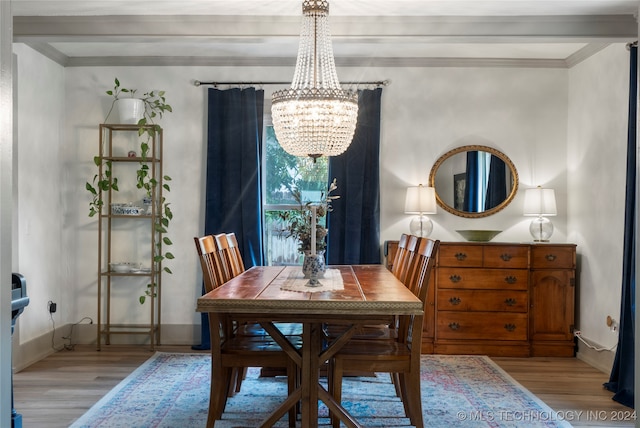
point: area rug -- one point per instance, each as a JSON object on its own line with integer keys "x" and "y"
{"x": 172, "y": 390}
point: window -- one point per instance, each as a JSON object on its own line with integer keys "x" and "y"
{"x": 283, "y": 173}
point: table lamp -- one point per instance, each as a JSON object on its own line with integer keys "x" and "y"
{"x": 540, "y": 202}
{"x": 420, "y": 200}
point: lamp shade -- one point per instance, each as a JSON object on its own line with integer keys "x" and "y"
{"x": 420, "y": 200}
{"x": 540, "y": 202}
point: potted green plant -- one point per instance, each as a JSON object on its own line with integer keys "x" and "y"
{"x": 154, "y": 104}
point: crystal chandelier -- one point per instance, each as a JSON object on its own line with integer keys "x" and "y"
{"x": 315, "y": 117}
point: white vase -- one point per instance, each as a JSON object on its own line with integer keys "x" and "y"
{"x": 131, "y": 110}
{"x": 313, "y": 265}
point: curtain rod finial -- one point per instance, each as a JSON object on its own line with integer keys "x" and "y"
{"x": 196, "y": 83}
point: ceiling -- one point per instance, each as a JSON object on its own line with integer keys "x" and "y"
{"x": 546, "y": 33}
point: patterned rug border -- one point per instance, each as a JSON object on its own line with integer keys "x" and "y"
{"x": 550, "y": 419}
{"x": 83, "y": 420}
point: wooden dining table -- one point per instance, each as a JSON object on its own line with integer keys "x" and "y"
{"x": 357, "y": 295}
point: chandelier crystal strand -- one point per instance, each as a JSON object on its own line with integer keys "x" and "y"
{"x": 315, "y": 117}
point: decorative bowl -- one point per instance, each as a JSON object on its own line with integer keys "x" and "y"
{"x": 478, "y": 235}
{"x": 126, "y": 209}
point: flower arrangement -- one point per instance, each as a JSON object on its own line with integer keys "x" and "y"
{"x": 299, "y": 221}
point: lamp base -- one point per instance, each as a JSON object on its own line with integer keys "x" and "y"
{"x": 541, "y": 229}
{"x": 421, "y": 226}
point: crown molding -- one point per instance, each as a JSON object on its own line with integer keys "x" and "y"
{"x": 565, "y": 28}
{"x": 584, "y": 53}
{"x": 169, "y": 61}
{"x": 43, "y": 32}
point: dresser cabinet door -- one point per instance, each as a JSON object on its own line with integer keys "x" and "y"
{"x": 552, "y": 304}
{"x": 552, "y": 300}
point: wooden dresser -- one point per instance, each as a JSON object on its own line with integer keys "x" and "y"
{"x": 500, "y": 299}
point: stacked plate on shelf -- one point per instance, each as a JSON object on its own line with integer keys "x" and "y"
{"x": 127, "y": 267}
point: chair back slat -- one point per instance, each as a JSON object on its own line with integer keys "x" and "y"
{"x": 401, "y": 253}
{"x": 225, "y": 269}
{"x": 425, "y": 261}
{"x": 235, "y": 258}
{"x": 408, "y": 267}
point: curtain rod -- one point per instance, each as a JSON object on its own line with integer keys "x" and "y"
{"x": 199, "y": 83}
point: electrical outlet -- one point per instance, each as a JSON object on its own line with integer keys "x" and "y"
{"x": 577, "y": 333}
{"x": 53, "y": 307}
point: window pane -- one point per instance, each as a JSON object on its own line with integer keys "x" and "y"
{"x": 280, "y": 248}
{"x": 284, "y": 173}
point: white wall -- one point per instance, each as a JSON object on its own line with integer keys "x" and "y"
{"x": 597, "y": 153}
{"x": 42, "y": 203}
{"x": 426, "y": 112}
{"x": 429, "y": 111}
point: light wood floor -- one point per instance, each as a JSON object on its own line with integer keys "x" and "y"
{"x": 57, "y": 390}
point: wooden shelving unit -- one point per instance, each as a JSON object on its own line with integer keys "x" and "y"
{"x": 130, "y": 238}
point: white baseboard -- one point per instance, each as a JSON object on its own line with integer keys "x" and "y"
{"x": 601, "y": 360}
{"x": 30, "y": 352}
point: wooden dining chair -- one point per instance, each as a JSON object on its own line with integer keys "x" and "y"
{"x": 232, "y": 353}
{"x": 398, "y": 356}
{"x": 402, "y": 269}
{"x": 214, "y": 275}
{"x": 229, "y": 264}
{"x": 232, "y": 266}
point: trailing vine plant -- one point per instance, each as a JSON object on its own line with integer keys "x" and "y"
{"x": 155, "y": 106}
{"x": 100, "y": 183}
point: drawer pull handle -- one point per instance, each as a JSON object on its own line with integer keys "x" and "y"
{"x": 454, "y": 325}
{"x": 455, "y": 301}
{"x": 510, "y": 327}
{"x": 461, "y": 256}
{"x": 550, "y": 257}
{"x": 506, "y": 257}
{"x": 510, "y": 301}
{"x": 455, "y": 278}
{"x": 511, "y": 279}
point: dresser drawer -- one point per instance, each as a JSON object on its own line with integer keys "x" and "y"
{"x": 481, "y": 325}
{"x": 500, "y": 279}
{"x": 460, "y": 255}
{"x": 506, "y": 256}
{"x": 480, "y": 300}
{"x": 552, "y": 257}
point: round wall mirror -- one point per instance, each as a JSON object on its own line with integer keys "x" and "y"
{"x": 474, "y": 181}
